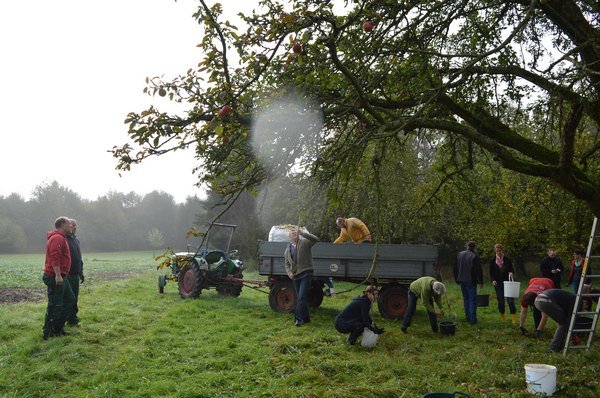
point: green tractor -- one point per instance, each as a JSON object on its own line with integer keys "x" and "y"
{"x": 206, "y": 267}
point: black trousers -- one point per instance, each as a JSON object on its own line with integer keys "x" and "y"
{"x": 412, "y": 308}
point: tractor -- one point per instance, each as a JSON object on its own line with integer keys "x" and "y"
{"x": 206, "y": 267}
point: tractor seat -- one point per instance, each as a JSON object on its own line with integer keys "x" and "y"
{"x": 215, "y": 256}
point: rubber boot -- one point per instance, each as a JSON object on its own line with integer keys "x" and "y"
{"x": 513, "y": 318}
{"x": 503, "y": 317}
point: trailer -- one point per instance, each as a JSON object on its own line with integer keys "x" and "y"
{"x": 396, "y": 266}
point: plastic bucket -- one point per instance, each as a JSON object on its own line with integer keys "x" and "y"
{"x": 369, "y": 339}
{"x": 540, "y": 378}
{"x": 483, "y": 300}
{"x": 447, "y": 328}
{"x": 512, "y": 288}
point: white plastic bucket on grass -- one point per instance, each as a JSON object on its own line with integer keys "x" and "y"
{"x": 511, "y": 288}
{"x": 369, "y": 339}
{"x": 540, "y": 378}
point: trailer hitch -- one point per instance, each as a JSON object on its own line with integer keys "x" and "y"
{"x": 239, "y": 281}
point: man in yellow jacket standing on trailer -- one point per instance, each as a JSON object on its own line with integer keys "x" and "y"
{"x": 354, "y": 229}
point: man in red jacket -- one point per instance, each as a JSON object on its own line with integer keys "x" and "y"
{"x": 56, "y": 269}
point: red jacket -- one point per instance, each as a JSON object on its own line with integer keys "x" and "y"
{"x": 57, "y": 253}
{"x": 537, "y": 285}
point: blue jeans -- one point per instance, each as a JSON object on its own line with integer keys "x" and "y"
{"x": 575, "y": 284}
{"x": 302, "y": 285}
{"x": 469, "y": 293}
{"x": 410, "y": 311}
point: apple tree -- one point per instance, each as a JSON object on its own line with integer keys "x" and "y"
{"x": 516, "y": 82}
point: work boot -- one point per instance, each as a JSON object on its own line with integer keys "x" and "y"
{"x": 352, "y": 337}
{"x": 513, "y": 318}
{"x": 503, "y": 317}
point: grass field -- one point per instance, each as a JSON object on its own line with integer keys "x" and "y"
{"x": 136, "y": 343}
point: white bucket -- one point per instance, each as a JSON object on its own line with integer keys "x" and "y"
{"x": 540, "y": 378}
{"x": 512, "y": 288}
{"x": 369, "y": 339}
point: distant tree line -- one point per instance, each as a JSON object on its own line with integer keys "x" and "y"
{"x": 400, "y": 199}
{"x": 113, "y": 222}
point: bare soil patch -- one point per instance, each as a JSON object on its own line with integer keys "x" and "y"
{"x": 11, "y": 295}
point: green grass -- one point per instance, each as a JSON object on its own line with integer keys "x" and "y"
{"x": 25, "y": 270}
{"x": 137, "y": 343}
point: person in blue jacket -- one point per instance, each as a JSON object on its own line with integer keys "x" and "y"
{"x": 355, "y": 317}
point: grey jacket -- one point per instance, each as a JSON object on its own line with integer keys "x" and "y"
{"x": 303, "y": 260}
{"x": 468, "y": 268}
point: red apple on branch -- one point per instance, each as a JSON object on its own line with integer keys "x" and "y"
{"x": 297, "y": 48}
{"x": 225, "y": 111}
{"x": 368, "y": 26}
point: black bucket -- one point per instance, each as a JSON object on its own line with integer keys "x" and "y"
{"x": 447, "y": 328}
{"x": 483, "y": 300}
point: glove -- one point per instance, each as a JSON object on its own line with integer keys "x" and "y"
{"x": 81, "y": 278}
{"x": 375, "y": 329}
{"x": 523, "y": 331}
{"x": 537, "y": 334}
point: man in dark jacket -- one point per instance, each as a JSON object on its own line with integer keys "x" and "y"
{"x": 299, "y": 267}
{"x": 56, "y": 269}
{"x": 552, "y": 267}
{"x": 468, "y": 273}
{"x": 355, "y": 317}
{"x": 76, "y": 272}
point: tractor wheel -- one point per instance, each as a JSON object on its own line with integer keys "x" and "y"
{"x": 315, "y": 295}
{"x": 191, "y": 279}
{"x": 393, "y": 301}
{"x": 282, "y": 297}
{"x": 229, "y": 288}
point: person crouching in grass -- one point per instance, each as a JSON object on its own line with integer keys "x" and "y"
{"x": 355, "y": 317}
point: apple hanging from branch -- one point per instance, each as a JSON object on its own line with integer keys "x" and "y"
{"x": 368, "y": 26}
{"x": 225, "y": 111}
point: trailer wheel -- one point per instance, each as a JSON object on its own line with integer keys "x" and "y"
{"x": 315, "y": 295}
{"x": 282, "y": 297}
{"x": 393, "y": 301}
{"x": 230, "y": 288}
{"x": 191, "y": 279}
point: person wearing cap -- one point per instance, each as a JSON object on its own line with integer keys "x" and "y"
{"x": 468, "y": 273}
{"x": 501, "y": 270}
{"x": 299, "y": 267}
{"x": 352, "y": 229}
{"x": 557, "y": 304}
{"x": 355, "y": 317}
{"x": 429, "y": 290}
{"x": 535, "y": 287}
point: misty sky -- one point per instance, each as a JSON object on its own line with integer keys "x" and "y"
{"x": 71, "y": 70}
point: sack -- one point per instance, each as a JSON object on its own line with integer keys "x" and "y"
{"x": 369, "y": 339}
{"x": 281, "y": 233}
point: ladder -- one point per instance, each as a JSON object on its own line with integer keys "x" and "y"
{"x": 581, "y": 295}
